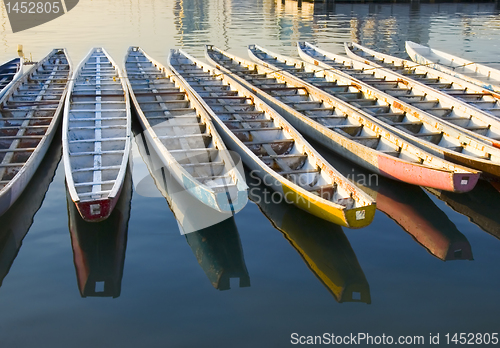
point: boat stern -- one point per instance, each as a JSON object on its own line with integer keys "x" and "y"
{"x": 453, "y": 179}
{"x": 465, "y": 182}
{"x": 95, "y": 211}
{"x": 361, "y": 216}
{"x": 338, "y": 214}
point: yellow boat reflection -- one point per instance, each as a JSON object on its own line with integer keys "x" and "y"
{"x": 322, "y": 245}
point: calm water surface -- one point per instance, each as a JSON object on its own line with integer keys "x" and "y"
{"x": 304, "y": 275}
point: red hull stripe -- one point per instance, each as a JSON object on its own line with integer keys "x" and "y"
{"x": 422, "y": 176}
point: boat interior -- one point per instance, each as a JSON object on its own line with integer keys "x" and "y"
{"x": 177, "y": 123}
{"x": 97, "y": 127}
{"x": 27, "y": 112}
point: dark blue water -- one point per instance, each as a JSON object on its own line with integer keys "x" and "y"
{"x": 306, "y": 276}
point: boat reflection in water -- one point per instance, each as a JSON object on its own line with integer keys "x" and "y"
{"x": 212, "y": 235}
{"x": 480, "y": 205}
{"x": 218, "y": 251}
{"x": 322, "y": 245}
{"x": 16, "y": 222}
{"x": 411, "y": 208}
{"x": 99, "y": 247}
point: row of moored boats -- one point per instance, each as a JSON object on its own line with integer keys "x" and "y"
{"x": 433, "y": 122}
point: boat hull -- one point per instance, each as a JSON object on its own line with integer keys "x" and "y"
{"x": 357, "y": 218}
{"x": 466, "y": 113}
{"x": 229, "y": 199}
{"x": 412, "y": 50}
{"x": 16, "y": 185}
{"x": 15, "y": 63}
{"x": 388, "y": 166}
{"x": 96, "y": 139}
{"x": 341, "y": 202}
{"x": 485, "y": 158}
{"x": 422, "y": 172}
{"x": 219, "y": 201}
